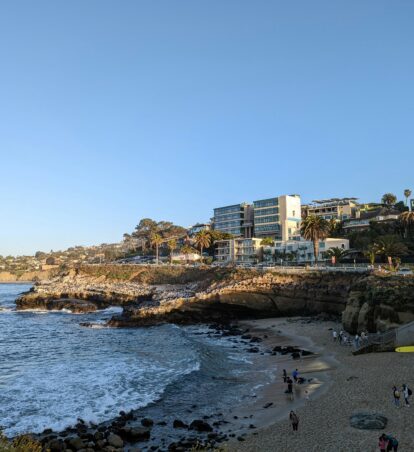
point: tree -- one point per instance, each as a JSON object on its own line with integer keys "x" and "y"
{"x": 172, "y": 245}
{"x": 390, "y": 246}
{"x": 267, "y": 241}
{"x": 407, "y": 220}
{"x": 314, "y": 228}
{"x": 370, "y": 252}
{"x": 389, "y": 199}
{"x": 407, "y": 194}
{"x": 202, "y": 240}
{"x": 337, "y": 253}
{"x": 156, "y": 241}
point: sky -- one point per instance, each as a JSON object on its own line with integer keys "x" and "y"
{"x": 112, "y": 111}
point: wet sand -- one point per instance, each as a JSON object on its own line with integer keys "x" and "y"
{"x": 349, "y": 384}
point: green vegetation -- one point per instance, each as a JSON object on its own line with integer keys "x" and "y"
{"x": 23, "y": 443}
{"x": 407, "y": 194}
{"x": 267, "y": 241}
{"x": 337, "y": 253}
{"x": 389, "y": 199}
{"x": 203, "y": 240}
{"x": 314, "y": 228}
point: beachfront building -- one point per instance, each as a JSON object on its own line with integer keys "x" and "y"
{"x": 179, "y": 257}
{"x": 332, "y": 209}
{"x": 301, "y": 251}
{"x": 198, "y": 227}
{"x": 364, "y": 217}
{"x": 277, "y": 218}
{"x": 236, "y": 219}
{"x": 239, "y": 251}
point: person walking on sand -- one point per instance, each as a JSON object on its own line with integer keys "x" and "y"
{"x": 396, "y": 395}
{"x": 392, "y": 443}
{"x": 295, "y": 375}
{"x": 406, "y": 393}
{"x": 294, "y": 420}
{"x": 290, "y": 388}
{"x": 284, "y": 376}
{"x": 382, "y": 443}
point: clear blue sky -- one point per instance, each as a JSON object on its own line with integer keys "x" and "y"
{"x": 111, "y": 111}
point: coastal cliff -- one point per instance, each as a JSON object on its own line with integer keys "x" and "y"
{"x": 151, "y": 295}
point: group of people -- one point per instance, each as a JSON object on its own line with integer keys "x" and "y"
{"x": 387, "y": 443}
{"x": 343, "y": 339}
{"x": 406, "y": 393}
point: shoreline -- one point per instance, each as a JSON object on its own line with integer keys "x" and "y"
{"x": 356, "y": 384}
{"x": 249, "y": 414}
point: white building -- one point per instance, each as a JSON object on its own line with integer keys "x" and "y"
{"x": 300, "y": 251}
{"x": 238, "y": 251}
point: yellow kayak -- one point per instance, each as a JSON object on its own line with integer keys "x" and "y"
{"x": 406, "y": 349}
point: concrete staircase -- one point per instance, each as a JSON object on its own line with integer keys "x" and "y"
{"x": 388, "y": 341}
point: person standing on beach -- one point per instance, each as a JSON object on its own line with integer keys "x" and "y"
{"x": 290, "y": 388}
{"x": 356, "y": 341}
{"x": 294, "y": 420}
{"x": 284, "y": 376}
{"x": 406, "y": 393}
{"x": 392, "y": 443}
{"x": 295, "y": 375}
{"x": 396, "y": 395}
{"x": 334, "y": 335}
{"x": 382, "y": 443}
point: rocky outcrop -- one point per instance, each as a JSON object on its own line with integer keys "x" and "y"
{"x": 379, "y": 303}
{"x": 152, "y": 295}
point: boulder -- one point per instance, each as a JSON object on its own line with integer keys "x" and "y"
{"x": 115, "y": 441}
{"x": 201, "y": 426}
{"x": 75, "y": 443}
{"x": 135, "y": 434}
{"x": 147, "y": 422}
{"x": 179, "y": 424}
{"x": 368, "y": 421}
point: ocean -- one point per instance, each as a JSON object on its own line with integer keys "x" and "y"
{"x": 54, "y": 371}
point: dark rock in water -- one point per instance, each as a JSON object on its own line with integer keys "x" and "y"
{"x": 134, "y": 434}
{"x": 253, "y": 350}
{"x": 278, "y": 348}
{"x": 295, "y": 355}
{"x": 252, "y": 426}
{"x": 48, "y": 431}
{"x": 306, "y": 353}
{"x": 268, "y": 405}
{"x": 240, "y": 438}
{"x": 368, "y": 421}
{"x": 201, "y": 426}
{"x": 147, "y": 422}
{"x": 256, "y": 339}
{"x": 246, "y": 336}
{"x": 162, "y": 423}
{"x": 179, "y": 424}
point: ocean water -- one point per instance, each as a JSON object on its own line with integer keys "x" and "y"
{"x": 54, "y": 371}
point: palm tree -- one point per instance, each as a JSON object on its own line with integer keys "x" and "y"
{"x": 389, "y": 246}
{"x": 202, "y": 240}
{"x": 337, "y": 253}
{"x": 389, "y": 199}
{"x": 172, "y": 245}
{"x": 407, "y": 220}
{"x": 370, "y": 252}
{"x": 407, "y": 194}
{"x": 156, "y": 241}
{"x": 314, "y": 228}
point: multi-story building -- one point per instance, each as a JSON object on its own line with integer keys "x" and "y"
{"x": 363, "y": 218}
{"x": 334, "y": 208}
{"x": 236, "y": 219}
{"x": 239, "y": 251}
{"x": 302, "y": 251}
{"x": 278, "y": 217}
{"x": 198, "y": 227}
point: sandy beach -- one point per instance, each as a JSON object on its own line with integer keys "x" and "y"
{"x": 349, "y": 384}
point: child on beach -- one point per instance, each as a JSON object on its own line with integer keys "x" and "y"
{"x": 396, "y": 395}
{"x": 294, "y": 420}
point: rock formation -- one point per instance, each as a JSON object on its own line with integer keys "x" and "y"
{"x": 152, "y": 295}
